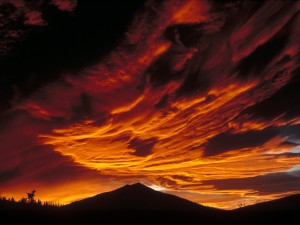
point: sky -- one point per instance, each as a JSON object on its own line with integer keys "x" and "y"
{"x": 195, "y": 98}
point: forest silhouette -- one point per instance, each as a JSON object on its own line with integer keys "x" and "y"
{"x": 138, "y": 204}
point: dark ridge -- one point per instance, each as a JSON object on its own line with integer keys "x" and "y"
{"x": 280, "y": 211}
{"x": 289, "y": 203}
{"x": 136, "y": 197}
{"x": 139, "y": 204}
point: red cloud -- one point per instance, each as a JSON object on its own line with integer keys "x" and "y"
{"x": 185, "y": 90}
{"x": 34, "y": 18}
{"x": 65, "y": 5}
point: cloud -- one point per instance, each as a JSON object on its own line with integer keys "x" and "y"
{"x": 34, "y": 18}
{"x": 173, "y": 102}
{"x": 195, "y": 82}
{"x": 73, "y": 45}
{"x": 125, "y": 136}
{"x": 294, "y": 171}
{"x": 273, "y": 183}
{"x": 284, "y": 102}
{"x": 25, "y": 163}
{"x": 182, "y": 98}
{"x": 9, "y": 174}
{"x": 162, "y": 102}
{"x": 291, "y": 131}
{"x": 261, "y": 57}
{"x": 288, "y": 155}
{"x": 84, "y": 107}
{"x": 227, "y": 141}
{"x": 65, "y": 5}
{"x": 142, "y": 147}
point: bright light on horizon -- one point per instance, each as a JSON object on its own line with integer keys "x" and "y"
{"x": 157, "y": 188}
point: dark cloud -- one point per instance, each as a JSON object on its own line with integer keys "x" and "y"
{"x": 288, "y": 144}
{"x": 142, "y": 147}
{"x": 123, "y": 137}
{"x": 42, "y": 168}
{"x": 65, "y": 5}
{"x": 39, "y": 164}
{"x": 183, "y": 178}
{"x": 6, "y": 119}
{"x": 196, "y": 82}
{"x": 8, "y": 174}
{"x": 101, "y": 119}
{"x": 163, "y": 102}
{"x": 291, "y": 131}
{"x": 84, "y": 107}
{"x": 228, "y": 141}
{"x": 236, "y": 9}
{"x": 11, "y": 28}
{"x": 63, "y": 173}
{"x": 161, "y": 71}
{"x": 72, "y": 107}
{"x": 264, "y": 184}
{"x": 189, "y": 33}
{"x": 34, "y": 18}
{"x": 285, "y": 101}
{"x": 166, "y": 182}
{"x": 24, "y": 160}
{"x": 70, "y": 41}
{"x": 258, "y": 60}
{"x": 184, "y": 37}
{"x": 287, "y": 155}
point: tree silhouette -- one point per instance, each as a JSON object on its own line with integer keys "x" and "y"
{"x": 30, "y": 196}
{"x": 240, "y": 204}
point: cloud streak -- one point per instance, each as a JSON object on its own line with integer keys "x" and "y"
{"x": 198, "y": 98}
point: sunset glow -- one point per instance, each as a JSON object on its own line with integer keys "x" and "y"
{"x": 197, "y": 99}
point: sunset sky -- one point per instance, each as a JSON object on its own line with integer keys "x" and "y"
{"x": 196, "y": 98}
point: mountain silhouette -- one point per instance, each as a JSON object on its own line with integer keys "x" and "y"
{"x": 289, "y": 203}
{"x": 137, "y": 197}
{"x": 283, "y": 211}
{"x": 139, "y": 204}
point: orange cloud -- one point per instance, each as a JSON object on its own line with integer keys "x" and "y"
{"x": 180, "y": 114}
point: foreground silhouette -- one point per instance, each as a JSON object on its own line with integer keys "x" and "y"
{"x": 30, "y": 196}
{"x": 138, "y": 204}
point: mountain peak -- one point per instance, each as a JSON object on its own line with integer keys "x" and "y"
{"x": 136, "y": 189}
{"x": 137, "y": 186}
{"x": 139, "y": 197}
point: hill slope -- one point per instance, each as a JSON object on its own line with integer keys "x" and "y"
{"x": 138, "y": 204}
{"x": 137, "y": 197}
{"x": 280, "y": 211}
{"x": 289, "y": 203}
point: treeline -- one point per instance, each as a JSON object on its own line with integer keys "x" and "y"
{"x": 23, "y": 203}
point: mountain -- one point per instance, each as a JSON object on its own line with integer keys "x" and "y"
{"x": 289, "y": 203}
{"x": 283, "y": 211}
{"x": 138, "y": 204}
{"x": 137, "y": 197}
